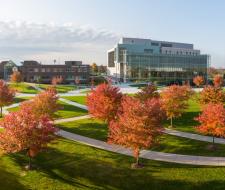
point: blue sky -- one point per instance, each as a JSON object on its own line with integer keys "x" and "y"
{"x": 84, "y": 29}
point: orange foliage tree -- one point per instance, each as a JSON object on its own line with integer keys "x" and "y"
{"x": 138, "y": 126}
{"x": 104, "y": 102}
{"x": 211, "y": 94}
{"x": 212, "y": 120}
{"x": 198, "y": 81}
{"x": 175, "y": 101}
{"x": 43, "y": 104}
{"x": 6, "y": 95}
{"x": 150, "y": 91}
{"x": 218, "y": 81}
{"x": 16, "y": 77}
{"x": 23, "y": 131}
{"x": 57, "y": 80}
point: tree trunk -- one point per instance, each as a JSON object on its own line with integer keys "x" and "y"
{"x": 1, "y": 111}
{"x": 29, "y": 162}
{"x": 137, "y": 161}
{"x": 28, "y": 167}
{"x": 171, "y": 122}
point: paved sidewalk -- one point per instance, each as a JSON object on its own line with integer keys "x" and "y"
{"x": 147, "y": 154}
{"x": 193, "y": 136}
{"x": 5, "y": 111}
{"x": 71, "y": 119}
{"x": 74, "y": 103}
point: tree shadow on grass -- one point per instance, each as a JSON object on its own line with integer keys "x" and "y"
{"x": 184, "y": 123}
{"x": 91, "y": 168}
{"x": 9, "y": 181}
{"x": 90, "y": 128}
{"x": 67, "y": 111}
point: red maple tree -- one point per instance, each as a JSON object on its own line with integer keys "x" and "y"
{"x": 211, "y": 94}
{"x": 43, "y": 104}
{"x": 218, "y": 81}
{"x": 57, "y": 80}
{"x": 175, "y": 101}
{"x": 212, "y": 120}
{"x": 104, "y": 102}
{"x": 16, "y": 77}
{"x": 23, "y": 131}
{"x": 198, "y": 81}
{"x": 6, "y": 95}
{"x": 150, "y": 91}
{"x": 138, "y": 126}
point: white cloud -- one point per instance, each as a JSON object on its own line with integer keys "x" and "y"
{"x": 26, "y": 40}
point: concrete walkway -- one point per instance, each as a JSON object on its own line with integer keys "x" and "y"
{"x": 73, "y": 103}
{"x": 58, "y": 121}
{"x": 147, "y": 154}
{"x": 194, "y": 136}
{"x": 4, "y": 109}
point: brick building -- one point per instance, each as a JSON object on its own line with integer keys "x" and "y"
{"x": 33, "y": 71}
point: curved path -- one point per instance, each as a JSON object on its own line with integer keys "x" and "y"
{"x": 147, "y": 154}
{"x": 194, "y": 136}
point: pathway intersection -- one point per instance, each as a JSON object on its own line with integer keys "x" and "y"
{"x": 147, "y": 154}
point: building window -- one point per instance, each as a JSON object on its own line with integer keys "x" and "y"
{"x": 36, "y": 70}
{"x": 154, "y": 44}
{"x": 148, "y": 50}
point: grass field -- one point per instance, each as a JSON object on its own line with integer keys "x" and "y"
{"x": 77, "y": 99}
{"x": 23, "y": 88}
{"x": 21, "y": 99}
{"x": 65, "y": 111}
{"x": 68, "y": 165}
{"x": 171, "y": 144}
{"x": 59, "y": 88}
{"x": 186, "y": 122}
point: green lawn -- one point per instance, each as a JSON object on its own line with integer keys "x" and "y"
{"x": 21, "y": 99}
{"x": 59, "y": 88}
{"x": 13, "y": 109}
{"x": 65, "y": 111}
{"x": 186, "y": 122}
{"x": 69, "y": 165}
{"x": 87, "y": 127}
{"x": 171, "y": 144}
{"x": 77, "y": 99}
{"x": 23, "y": 88}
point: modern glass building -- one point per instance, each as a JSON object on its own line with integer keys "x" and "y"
{"x": 135, "y": 59}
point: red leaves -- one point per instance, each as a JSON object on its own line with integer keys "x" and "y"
{"x": 150, "y": 91}
{"x": 6, "y": 94}
{"x": 57, "y": 80}
{"x": 174, "y": 100}
{"x": 211, "y": 94}
{"x": 104, "y": 102}
{"x": 212, "y": 120}
{"x": 198, "y": 80}
{"x": 218, "y": 81}
{"x": 44, "y": 104}
{"x": 139, "y": 124}
{"x": 16, "y": 77}
{"x": 24, "y": 131}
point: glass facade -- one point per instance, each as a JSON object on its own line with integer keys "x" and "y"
{"x": 144, "y": 62}
{"x": 162, "y": 68}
